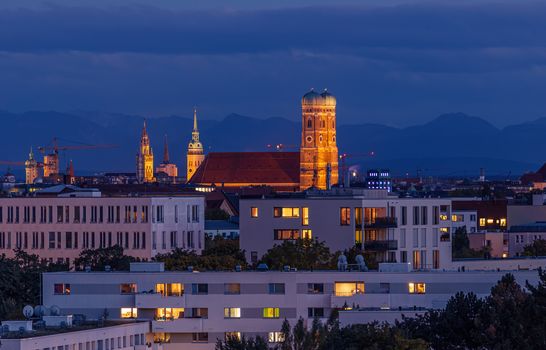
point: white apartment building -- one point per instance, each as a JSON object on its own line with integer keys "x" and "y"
{"x": 59, "y": 228}
{"x": 127, "y": 336}
{"x": 191, "y": 310}
{"x": 464, "y": 218}
{"x": 416, "y": 230}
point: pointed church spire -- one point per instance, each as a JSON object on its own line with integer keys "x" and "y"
{"x": 166, "y": 151}
{"x": 144, "y": 132}
{"x": 31, "y": 154}
{"x": 195, "y": 119}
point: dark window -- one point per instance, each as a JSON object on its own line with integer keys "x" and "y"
{"x": 62, "y": 288}
{"x": 128, "y": 288}
{"x": 315, "y": 288}
{"x": 276, "y": 288}
{"x": 315, "y": 312}
{"x": 200, "y": 288}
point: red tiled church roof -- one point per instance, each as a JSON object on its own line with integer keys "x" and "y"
{"x": 249, "y": 168}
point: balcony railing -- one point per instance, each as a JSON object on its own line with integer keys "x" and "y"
{"x": 381, "y": 245}
{"x": 385, "y": 222}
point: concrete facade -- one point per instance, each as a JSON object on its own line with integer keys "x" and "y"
{"x": 413, "y": 230}
{"x": 59, "y": 228}
{"x": 129, "y": 336}
{"x": 192, "y": 310}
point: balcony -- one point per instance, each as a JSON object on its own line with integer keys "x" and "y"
{"x": 381, "y": 245}
{"x": 155, "y": 300}
{"x": 382, "y": 222}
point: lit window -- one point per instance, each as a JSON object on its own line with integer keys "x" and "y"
{"x": 128, "y": 312}
{"x": 344, "y": 216}
{"x": 232, "y": 312}
{"x": 306, "y": 234}
{"x": 358, "y": 236}
{"x": 444, "y": 229}
{"x": 287, "y": 212}
{"x": 254, "y": 212}
{"x": 454, "y": 218}
{"x": 168, "y": 313}
{"x": 170, "y": 289}
{"x": 305, "y": 216}
{"x": 276, "y": 337}
{"x": 232, "y": 288}
{"x": 128, "y": 288}
{"x": 416, "y": 288}
{"x": 490, "y": 221}
{"x": 482, "y": 221}
{"x": 280, "y": 235}
{"x": 443, "y": 217}
{"x": 62, "y": 288}
{"x": 271, "y": 312}
{"x": 345, "y": 289}
{"x": 233, "y": 335}
{"x": 503, "y": 222}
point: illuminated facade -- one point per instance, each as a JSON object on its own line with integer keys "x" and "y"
{"x": 195, "y": 154}
{"x": 318, "y": 152}
{"x": 166, "y": 166}
{"x": 51, "y": 164}
{"x": 31, "y": 168}
{"x": 145, "y": 159}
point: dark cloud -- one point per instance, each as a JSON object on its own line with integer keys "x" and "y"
{"x": 325, "y": 29}
{"x": 400, "y": 64}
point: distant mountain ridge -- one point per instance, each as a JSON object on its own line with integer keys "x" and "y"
{"x": 451, "y": 144}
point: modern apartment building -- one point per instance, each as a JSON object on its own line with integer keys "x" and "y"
{"x": 192, "y": 310}
{"x": 415, "y": 230}
{"x": 59, "y": 228}
{"x": 110, "y": 336}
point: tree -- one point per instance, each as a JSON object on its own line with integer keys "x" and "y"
{"x": 20, "y": 283}
{"x": 537, "y": 248}
{"x": 98, "y": 259}
{"x": 304, "y": 254}
{"x": 461, "y": 245}
{"x": 233, "y": 343}
{"x": 216, "y": 214}
{"x": 219, "y": 254}
{"x": 507, "y": 320}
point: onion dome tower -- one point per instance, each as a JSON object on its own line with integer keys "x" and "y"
{"x": 318, "y": 151}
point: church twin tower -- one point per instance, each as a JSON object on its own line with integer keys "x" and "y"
{"x": 318, "y": 151}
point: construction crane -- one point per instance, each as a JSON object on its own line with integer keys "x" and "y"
{"x": 345, "y": 169}
{"x": 51, "y": 154}
{"x": 12, "y": 163}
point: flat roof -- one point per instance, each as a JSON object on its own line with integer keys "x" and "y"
{"x": 46, "y": 331}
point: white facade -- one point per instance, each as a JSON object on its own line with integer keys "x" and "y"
{"x": 416, "y": 230}
{"x": 129, "y": 336}
{"x": 464, "y": 218}
{"x": 59, "y": 228}
{"x": 192, "y": 310}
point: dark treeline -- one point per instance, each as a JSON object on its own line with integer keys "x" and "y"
{"x": 511, "y": 317}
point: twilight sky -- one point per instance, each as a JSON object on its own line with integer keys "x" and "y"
{"x": 387, "y": 61}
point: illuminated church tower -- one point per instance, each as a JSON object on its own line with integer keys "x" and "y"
{"x": 318, "y": 152}
{"x": 145, "y": 159}
{"x": 195, "y": 154}
{"x": 31, "y": 168}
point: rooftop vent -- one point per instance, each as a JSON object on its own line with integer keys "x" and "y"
{"x": 262, "y": 267}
